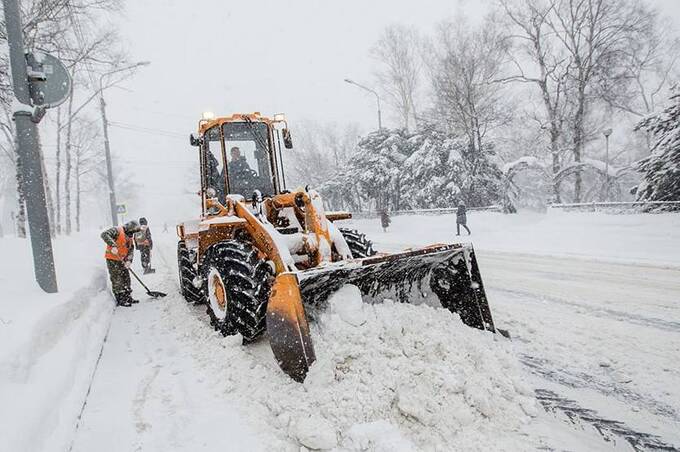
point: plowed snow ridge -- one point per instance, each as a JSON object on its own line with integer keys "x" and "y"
{"x": 387, "y": 377}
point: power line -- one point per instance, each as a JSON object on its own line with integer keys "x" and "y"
{"x": 149, "y": 130}
{"x": 80, "y": 37}
{"x": 193, "y": 118}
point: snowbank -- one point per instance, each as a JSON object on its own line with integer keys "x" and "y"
{"x": 50, "y": 343}
{"x": 387, "y": 377}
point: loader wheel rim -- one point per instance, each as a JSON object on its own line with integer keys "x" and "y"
{"x": 217, "y": 293}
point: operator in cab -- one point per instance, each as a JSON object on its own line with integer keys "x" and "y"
{"x": 241, "y": 175}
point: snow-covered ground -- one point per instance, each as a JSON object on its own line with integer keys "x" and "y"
{"x": 50, "y": 343}
{"x": 591, "y": 364}
{"x": 635, "y": 238}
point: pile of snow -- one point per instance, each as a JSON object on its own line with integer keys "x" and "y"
{"x": 415, "y": 370}
{"x": 387, "y": 377}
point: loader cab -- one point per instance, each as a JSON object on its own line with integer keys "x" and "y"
{"x": 239, "y": 157}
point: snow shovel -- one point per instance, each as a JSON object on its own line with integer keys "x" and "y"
{"x": 151, "y": 293}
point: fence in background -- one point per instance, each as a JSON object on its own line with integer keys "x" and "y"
{"x": 442, "y": 211}
{"x": 620, "y": 206}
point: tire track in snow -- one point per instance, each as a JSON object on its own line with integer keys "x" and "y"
{"x": 609, "y": 429}
{"x": 140, "y": 400}
{"x": 581, "y": 380}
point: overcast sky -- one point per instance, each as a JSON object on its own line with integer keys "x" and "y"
{"x": 268, "y": 56}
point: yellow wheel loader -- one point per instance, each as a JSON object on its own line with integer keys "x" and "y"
{"x": 260, "y": 254}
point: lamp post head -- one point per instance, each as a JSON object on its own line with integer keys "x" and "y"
{"x": 607, "y": 132}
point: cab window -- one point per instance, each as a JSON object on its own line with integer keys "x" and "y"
{"x": 215, "y": 175}
{"x": 247, "y": 147}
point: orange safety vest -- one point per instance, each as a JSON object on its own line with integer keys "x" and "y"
{"x": 122, "y": 243}
{"x": 141, "y": 239}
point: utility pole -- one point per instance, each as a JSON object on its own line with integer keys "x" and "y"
{"x": 377, "y": 98}
{"x": 109, "y": 168}
{"x": 107, "y": 146}
{"x": 26, "y": 119}
{"x": 607, "y": 133}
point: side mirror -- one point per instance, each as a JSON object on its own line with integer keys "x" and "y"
{"x": 287, "y": 139}
{"x": 194, "y": 140}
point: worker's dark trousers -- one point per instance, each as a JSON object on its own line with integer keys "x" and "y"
{"x": 120, "y": 280}
{"x": 145, "y": 251}
{"x": 458, "y": 225}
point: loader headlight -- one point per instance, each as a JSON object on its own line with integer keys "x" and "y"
{"x": 211, "y": 192}
{"x": 208, "y": 115}
{"x": 279, "y": 117}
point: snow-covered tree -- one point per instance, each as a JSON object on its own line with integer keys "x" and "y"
{"x": 377, "y": 166}
{"x": 372, "y": 175}
{"x": 661, "y": 169}
{"x": 432, "y": 173}
{"x": 394, "y": 170}
{"x": 443, "y": 169}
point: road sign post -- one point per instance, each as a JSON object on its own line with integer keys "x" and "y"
{"x": 121, "y": 211}
{"x": 39, "y": 82}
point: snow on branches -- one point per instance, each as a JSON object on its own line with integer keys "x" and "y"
{"x": 661, "y": 169}
{"x": 393, "y": 169}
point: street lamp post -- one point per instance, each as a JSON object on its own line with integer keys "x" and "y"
{"x": 606, "y": 133}
{"x": 107, "y": 147}
{"x": 377, "y": 98}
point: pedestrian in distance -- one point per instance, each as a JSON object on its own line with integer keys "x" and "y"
{"x": 144, "y": 243}
{"x": 385, "y": 220}
{"x": 119, "y": 254}
{"x": 461, "y": 218}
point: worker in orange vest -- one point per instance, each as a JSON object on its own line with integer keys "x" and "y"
{"x": 144, "y": 243}
{"x": 119, "y": 255}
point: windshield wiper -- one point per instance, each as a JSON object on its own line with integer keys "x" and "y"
{"x": 258, "y": 138}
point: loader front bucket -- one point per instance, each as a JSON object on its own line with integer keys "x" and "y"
{"x": 288, "y": 329}
{"x": 449, "y": 272}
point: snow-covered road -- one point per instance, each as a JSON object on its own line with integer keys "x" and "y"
{"x": 167, "y": 381}
{"x": 597, "y": 341}
{"x": 148, "y": 394}
{"x": 605, "y": 335}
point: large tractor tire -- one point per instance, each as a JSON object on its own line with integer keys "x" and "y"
{"x": 237, "y": 283}
{"x": 358, "y": 244}
{"x": 187, "y": 274}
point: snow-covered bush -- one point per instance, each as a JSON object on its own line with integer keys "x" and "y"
{"x": 661, "y": 169}
{"x": 527, "y": 184}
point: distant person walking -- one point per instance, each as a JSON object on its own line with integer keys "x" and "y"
{"x": 385, "y": 220}
{"x": 461, "y": 218}
{"x": 144, "y": 243}
{"x": 119, "y": 254}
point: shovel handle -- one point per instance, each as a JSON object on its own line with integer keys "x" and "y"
{"x": 138, "y": 279}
